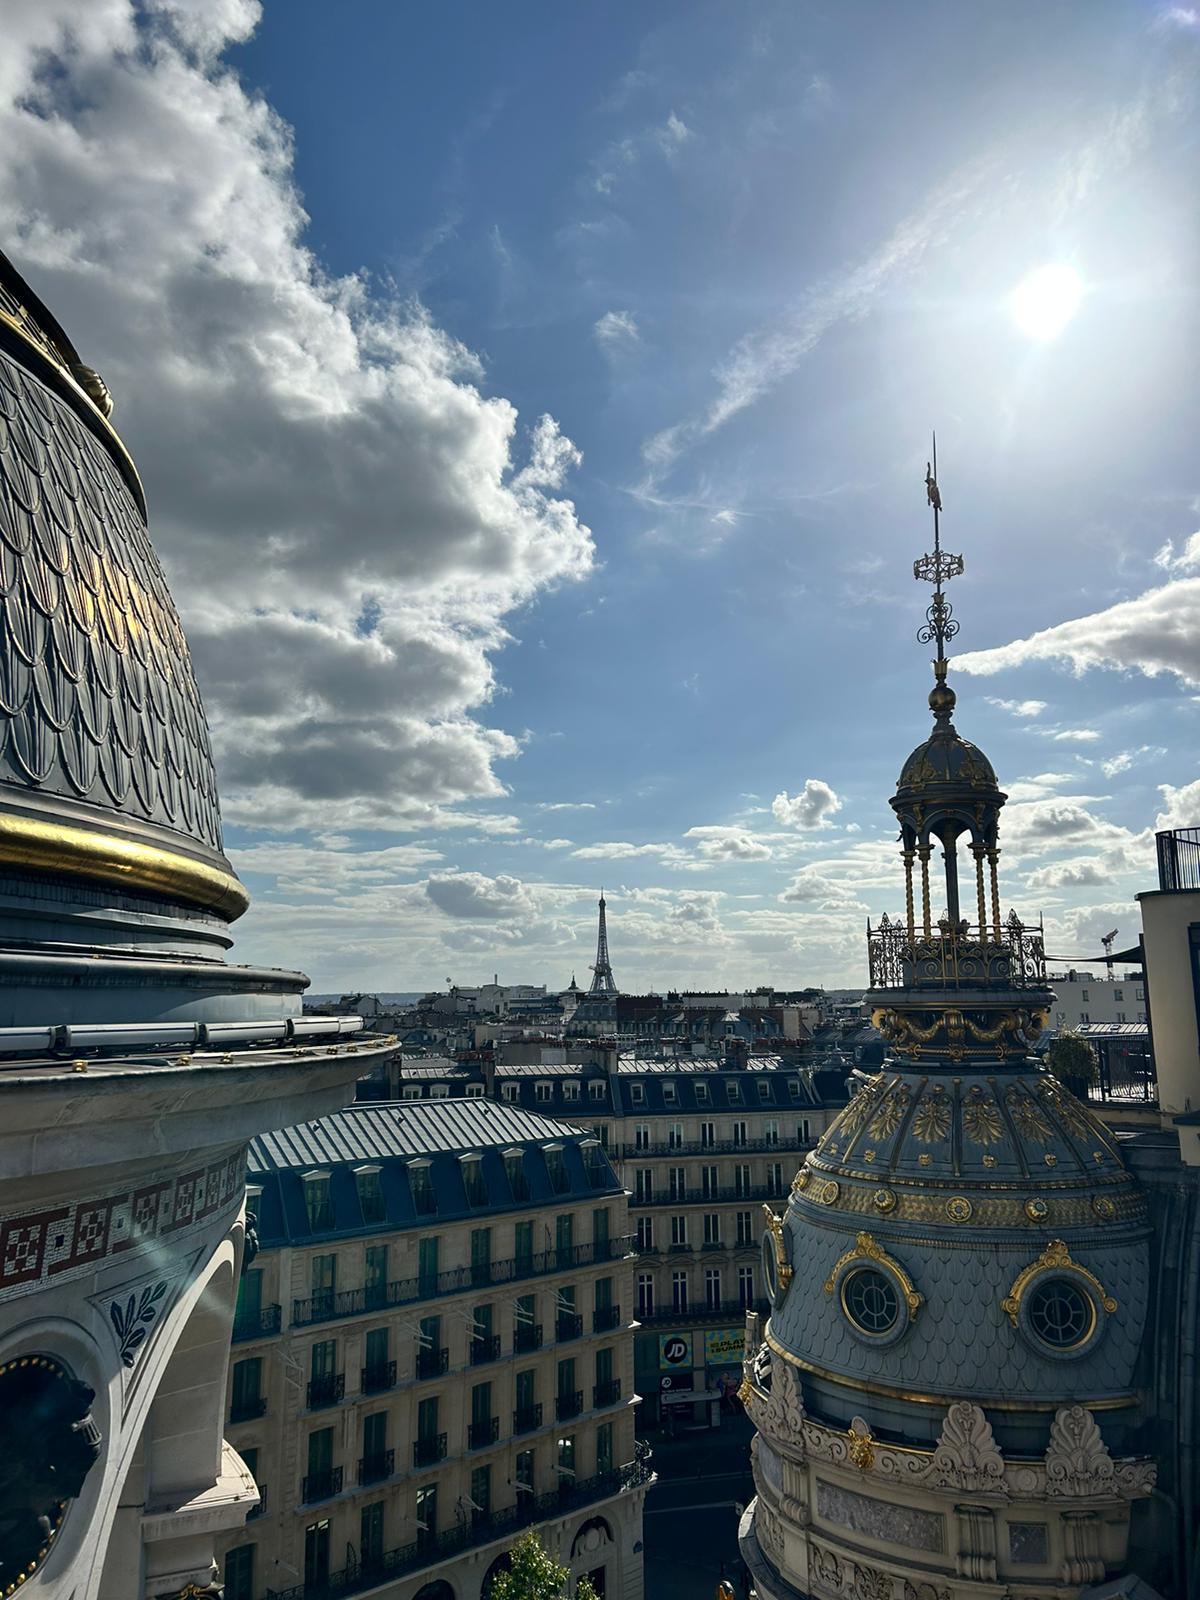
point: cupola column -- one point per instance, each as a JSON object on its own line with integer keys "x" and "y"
{"x": 979, "y": 851}
{"x": 908, "y": 891}
{"x": 993, "y": 856}
{"x": 925, "y": 851}
{"x": 950, "y": 856}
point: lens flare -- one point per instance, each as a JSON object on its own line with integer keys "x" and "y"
{"x": 1043, "y": 303}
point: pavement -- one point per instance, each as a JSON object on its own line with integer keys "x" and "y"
{"x": 692, "y": 1512}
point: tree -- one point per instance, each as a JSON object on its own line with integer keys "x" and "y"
{"x": 1072, "y": 1059}
{"x": 536, "y": 1575}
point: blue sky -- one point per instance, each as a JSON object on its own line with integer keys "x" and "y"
{"x": 463, "y": 664}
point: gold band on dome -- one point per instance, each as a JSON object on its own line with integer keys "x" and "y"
{"x": 54, "y": 847}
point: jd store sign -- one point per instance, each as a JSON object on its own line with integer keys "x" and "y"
{"x": 674, "y": 1352}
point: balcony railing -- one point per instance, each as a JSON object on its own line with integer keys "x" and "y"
{"x": 326, "y": 1390}
{"x": 484, "y": 1432}
{"x": 1178, "y": 859}
{"x": 567, "y": 1406}
{"x": 719, "y": 1147}
{"x": 322, "y": 1485}
{"x": 697, "y": 1197}
{"x": 427, "y": 1452}
{"x": 489, "y": 1528}
{"x": 527, "y": 1336}
{"x": 485, "y": 1350}
{"x": 246, "y": 1407}
{"x": 432, "y": 1363}
{"x": 567, "y": 1327}
{"x": 605, "y": 1318}
{"x": 329, "y": 1307}
{"x": 257, "y": 1324}
{"x": 1011, "y": 956}
{"x": 727, "y": 1308}
{"x": 528, "y": 1419}
{"x": 377, "y": 1379}
{"x": 606, "y": 1394}
{"x": 377, "y": 1467}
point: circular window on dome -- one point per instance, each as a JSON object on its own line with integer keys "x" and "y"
{"x": 1060, "y": 1314}
{"x": 871, "y": 1302}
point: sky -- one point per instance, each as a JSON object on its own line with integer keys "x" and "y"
{"x": 533, "y": 403}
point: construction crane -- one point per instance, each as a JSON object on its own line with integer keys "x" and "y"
{"x": 1107, "y": 941}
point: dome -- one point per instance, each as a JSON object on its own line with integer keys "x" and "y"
{"x": 105, "y": 765}
{"x": 946, "y": 759}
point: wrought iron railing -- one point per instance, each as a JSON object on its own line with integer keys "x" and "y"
{"x": 726, "y": 1308}
{"x": 606, "y": 1394}
{"x": 488, "y": 1528}
{"x": 326, "y": 1390}
{"x": 375, "y": 1468}
{"x": 378, "y": 1379}
{"x": 256, "y": 1324}
{"x": 432, "y": 1363}
{"x": 483, "y": 1432}
{"x": 485, "y": 1349}
{"x": 527, "y": 1336}
{"x": 1012, "y": 956}
{"x": 568, "y": 1405}
{"x": 605, "y": 1318}
{"x": 244, "y": 1408}
{"x": 329, "y": 1307}
{"x": 721, "y": 1147}
{"x": 528, "y": 1419}
{"x": 430, "y": 1450}
{"x": 1178, "y": 858}
{"x": 568, "y": 1326}
{"x": 322, "y": 1485}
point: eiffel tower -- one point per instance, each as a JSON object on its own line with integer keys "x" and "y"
{"x": 603, "y": 981}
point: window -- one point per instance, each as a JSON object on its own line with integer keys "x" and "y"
{"x": 712, "y": 1228}
{"x": 745, "y": 1235}
{"x": 596, "y": 1089}
{"x": 604, "y": 1366}
{"x": 802, "y": 1134}
{"x": 637, "y": 1093}
{"x": 771, "y": 1130}
{"x": 600, "y": 1232}
{"x": 427, "y": 1418}
{"x": 324, "y": 1284}
{"x": 602, "y": 1296}
{"x": 741, "y": 1180}
{"x": 570, "y": 1090}
{"x": 509, "y": 1091}
{"x": 745, "y": 1288}
{"x": 794, "y": 1088}
{"x": 675, "y": 1136}
{"x": 703, "y": 1098}
{"x": 481, "y": 1255}
{"x": 411, "y": 1091}
{"x": 645, "y": 1294}
{"x": 645, "y": 1233}
{"x": 320, "y": 1453}
{"x": 245, "y": 1400}
{"x": 430, "y": 1348}
{"x": 474, "y": 1091}
{"x": 239, "y": 1573}
{"x": 1120, "y": 1016}
{"x": 709, "y": 1187}
{"x": 1060, "y": 1314}
{"x": 439, "y": 1091}
{"x": 375, "y": 1351}
{"x": 514, "y": 1172}
{"x": 482, "y": 1334}
{"x": 566, "y": 1456}
{"x": 870, "y": 1301}
{"x": 524, "y": 1473}
{"x": 1083, "y": 994}
{"x": 367, "y": 1180}
{"x": 1084, "y": 1016}
{"x": 643, "y": 1185}
{"x": 564, "y": 1238}
{"x": 427, "y": 1265}
{"x": 679, "y": 1230}
{"x": 566, "y": 1376}
{"x": 323, "y": 1359}
{"x": 1139, "y": 994}
{"x": 374, "y": 1438}
{"x": 317, "y": 1201}
{"x": 708, "y": 1135}
{"x": 524, "y": 1317}
{"x": 471, "y": 1168}
{"x": 679, "y": 1293}
{"x": 604, "y": 1449}
{"x": 739, "y": 1135}
{"x": 375, "y": 1273}
{"x": 249, "y": 1298}
{"x": 677, "y": 1178}
{"x": 764, "y": 1090}
{"x": 481, "y": 1491}
{"x": 426, "y": 1515}
{"x": 557, "y": 1168}
{"x": 481, "y": 1413}
{"x": 1118, "y": 994}
{"x": 421, "y": 1184}
{"x": 641, "y": 1136}
{"x": 543, "y": 1091}
{"x": 316, "y": 1555}
{"x": 733, "y": 1092}
{"x": 774, "y": 1180}
{"x": 370, "y": 1535}
{"x": 670, "y": 1094}
{"x": 712, "y": 1289}
{"x": 523, "y": 1245}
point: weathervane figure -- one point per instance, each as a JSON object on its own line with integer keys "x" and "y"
{"x": 937, "y": 568}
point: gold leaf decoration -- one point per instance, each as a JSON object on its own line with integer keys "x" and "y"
{"x": 981, "y": 1120}
{"x": 891, "y": 1113}
{"x": 931, "y": 1121}
{"x": 1028, "y": 1115}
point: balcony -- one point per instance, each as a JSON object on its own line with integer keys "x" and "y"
{"x": 485, "y": 1350}
{"x": 326, "y": 1390}
{"x": 736, "y": 1309}
{"x": 722, "y": 1147}
{"x": 527, "y": 1336}
{"x": 322, "y": 1485}
{"x": 378, "y": 1379}
{"x": 377, "y": 1467}
{"x": 482, "y": 1433}
{"x": 1010, "y": 956}
{"x": 490, "y": 1528}
{"x": 714, "y": 1197}
{"x": 1178, "y": 860}
{"x": 259, "y": 1324}
{"x": 567, "y": 1326}
{"x": 528, "y": 1419}
{"x": 428, "y": 1452}
{"x": 567, "y": 1406}
{"x": 432, "y": 1363}
{"x": 331, "y": 1307}
{"x": 606, "y": 1394}
{"x": 606, "y": 1318}
{"x": 246, "y": 1407}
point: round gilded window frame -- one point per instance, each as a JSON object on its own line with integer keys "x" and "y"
{"x": 899, "y": 1290}
{"x": 1079, "y": 1284}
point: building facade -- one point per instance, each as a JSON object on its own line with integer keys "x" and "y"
{"x": 433, "y": 1350}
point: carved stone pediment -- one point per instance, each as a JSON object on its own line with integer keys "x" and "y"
{"x": 1077, "y": 1460}
{"x": 967, "y": 1457}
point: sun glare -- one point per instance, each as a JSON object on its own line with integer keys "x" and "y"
{"x": 1043, "y": 303}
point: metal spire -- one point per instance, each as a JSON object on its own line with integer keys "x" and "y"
{"x": 603, "y": 981}
{"x": 937, "y": 568}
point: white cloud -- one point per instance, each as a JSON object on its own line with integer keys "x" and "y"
{"x": 475, "y": 896}
{"x": 1018, "y": 708}
{"x": 673, "y": 133}
{"x": 812, "y": 887}
{"x": 622, "y": 850}
{"x": 617, "y": 328}
{"x": 1071, "y": 735}
{"x": 1181, "y": 807}
{"x": 345, "y": 518}
{"x": 1076, "y": 873}
{"x": 811, "y": 808}
{"x": 1159, "y": 631}
{"x": 566, "y": 805}
{"x": 728, "y": 844}
{"x": 1188, "y": 557}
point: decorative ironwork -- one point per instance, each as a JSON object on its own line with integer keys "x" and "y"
{"x": 965, "y": 956}
{"x": 866, "y": 1249}
{"x": 1056, "y": 1257}
{"x": 937, "y": 567}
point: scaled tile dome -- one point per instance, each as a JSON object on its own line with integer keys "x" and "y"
{"x": 946, "y": 759}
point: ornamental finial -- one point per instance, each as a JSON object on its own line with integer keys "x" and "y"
{"x": 937, "y": 568}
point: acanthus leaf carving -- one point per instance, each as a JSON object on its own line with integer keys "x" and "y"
{"x": 1077, "y": 1460}
{"x": 967, "y": 1457}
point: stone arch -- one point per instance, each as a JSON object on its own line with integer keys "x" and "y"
{"x": 437, "y": 1589}
{"x": 502, "y": 1563}
{"x": 590, "y": 1538}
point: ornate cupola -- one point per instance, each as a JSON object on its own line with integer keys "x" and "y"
{"x": 945, "y": 1388}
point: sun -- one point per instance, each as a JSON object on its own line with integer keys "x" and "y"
{"x": 1043, "y": 303}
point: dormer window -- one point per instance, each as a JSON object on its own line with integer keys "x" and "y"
{"x": 734, "y": 1091}
{"x": 703, "y": 1097}
{"x": 367, "y": 1180}
{"x": 514, "y": 1171}
{"x": 670, "y": 1094}
{"x": 570, "y": 1090}
{"x": 556, "y": 1166}
{"x": 472, "y": 1175}
{"x": 420, "y": 1181}
{"x": 637, "y": 1093}
{"x": 317, "y": 1201}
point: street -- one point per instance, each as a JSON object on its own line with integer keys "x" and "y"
{"x": 692, "y": 1511}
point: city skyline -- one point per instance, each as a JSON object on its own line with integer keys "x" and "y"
{"x": 565, "y": 541}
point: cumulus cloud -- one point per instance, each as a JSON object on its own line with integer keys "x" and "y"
{"x": 811, "y": 808}
{"x": 673, "y": 133}
{"x": 617, "y": 328}
{"x": 1159, "y": 631}
{"x": 345, "y": 517}
{"x": 1181, "y": 806}
{"x": 476, "y": 897}
{"x": 1018, "y": 708}
{"x": 728, "y": 844}
{"x": 813, "y": 887}
{"x": 1079, "y": 872}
